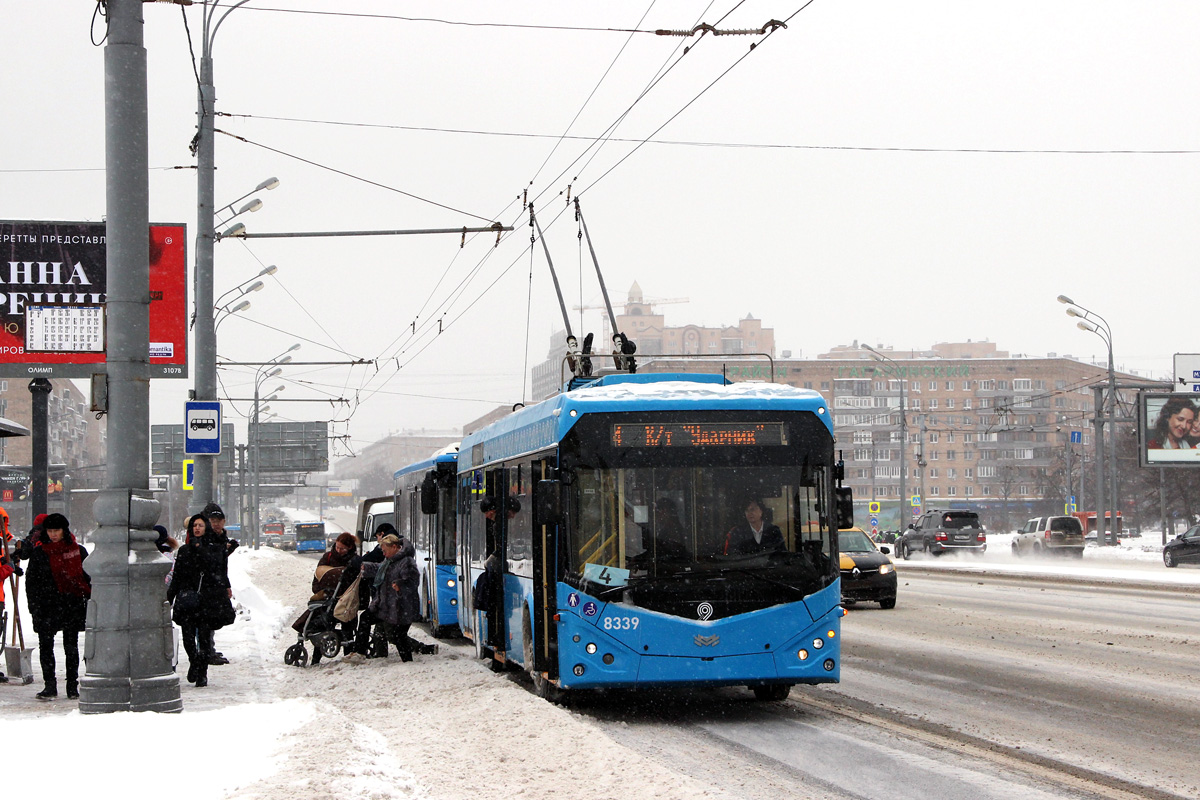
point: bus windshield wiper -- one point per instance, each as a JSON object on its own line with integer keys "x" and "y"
{"x": 765, "y": 579}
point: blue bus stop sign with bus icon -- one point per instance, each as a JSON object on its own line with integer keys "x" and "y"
{"x": 202, "y": 427}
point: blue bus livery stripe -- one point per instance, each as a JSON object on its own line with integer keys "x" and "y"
{"x": 546, "y": 423}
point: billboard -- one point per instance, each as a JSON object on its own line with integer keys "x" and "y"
{"x": 53, "y": 287}
{"x": 1168, "y": 430}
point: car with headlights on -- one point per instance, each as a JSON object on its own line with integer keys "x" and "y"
{"x": 867, "y": 572}
{"x": 1183, "y": 549}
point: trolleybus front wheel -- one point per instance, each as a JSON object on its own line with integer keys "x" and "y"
{"x": 542, "y": 686}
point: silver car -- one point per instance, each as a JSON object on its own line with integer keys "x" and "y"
{"x": 1050, "y": 536}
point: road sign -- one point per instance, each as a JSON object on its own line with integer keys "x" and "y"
{"x": 873, "y": 507}
{"x": 915, "y": 500}
{"x": 202, "y": 427}
{"x": 189, "y": 474}
{"x": 1076, "y": 437}
{"x": 1187, "y": 373}
{"x": 874, "y": 522}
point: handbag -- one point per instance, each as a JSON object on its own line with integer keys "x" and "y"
{"x": 223, "y": 615}
{"x": 346, "y": 608}
{"x": 187, "y": 604}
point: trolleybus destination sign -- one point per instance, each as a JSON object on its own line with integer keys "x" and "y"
{"x": 698, "y": 434}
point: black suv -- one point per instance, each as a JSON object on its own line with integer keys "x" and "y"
{"x": 939, "y": 531}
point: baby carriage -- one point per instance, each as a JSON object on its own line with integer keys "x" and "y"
{"x": 318, "y": 626}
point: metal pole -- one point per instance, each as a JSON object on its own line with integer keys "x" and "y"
{"x": 206, "y": 336}
{"x": 903, "y": 521}
{"x": 128, "y": 636}
{"x": 256, "y": 456}
{"x": 1111, "y": 423}
{"x": 39, "y": 388}
{"x": 1098, "y": 423}
{"x": 1162, "y": 502}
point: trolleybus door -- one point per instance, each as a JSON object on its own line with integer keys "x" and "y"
{"x": 545, "y": 578}
{"x": 495, "y": 484}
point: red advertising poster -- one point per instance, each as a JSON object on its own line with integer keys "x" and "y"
{"x": 59, "y": 265}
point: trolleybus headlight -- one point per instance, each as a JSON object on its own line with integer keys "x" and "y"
{"x": 802, "y": 655}
{"x": 818, "y": 643}
{"x": 830, "y": 634}
{"x": 450, "y": 582}
{"x": 608, "y": 658}
{"x": 578, "y": 670}
{"x": 828, "y": 665}
{"x": 453, "y": 601}
{"x": 591, "y": 648}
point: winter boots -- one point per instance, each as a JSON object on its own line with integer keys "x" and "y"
{"x": 49, "y": 693}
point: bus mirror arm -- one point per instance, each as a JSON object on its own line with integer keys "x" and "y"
{"x": 845, "y": 507}
{"x": 548, "y": 503}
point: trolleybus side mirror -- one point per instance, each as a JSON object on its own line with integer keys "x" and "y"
{"x": 845, "y": 507}
{"x": 429, "y": 494}
{"x": 548, "y": 503}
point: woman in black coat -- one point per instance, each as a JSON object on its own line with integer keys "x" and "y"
{"x": 57, "y": 589}
{"x": 201, "y": 566}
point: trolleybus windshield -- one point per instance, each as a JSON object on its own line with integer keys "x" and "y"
{"x": 657, "y": 536}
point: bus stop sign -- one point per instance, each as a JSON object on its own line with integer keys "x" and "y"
{"x": 202, "y": 427}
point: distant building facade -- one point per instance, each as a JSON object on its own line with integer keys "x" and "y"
{"x": 372, "y": 468}
{"x": 985, "y": 430}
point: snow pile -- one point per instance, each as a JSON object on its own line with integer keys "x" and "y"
{"x": 442, "y": 726}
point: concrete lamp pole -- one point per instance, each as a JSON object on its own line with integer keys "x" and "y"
{"x": 904, "y": 518}
{"x": 205, "y": 387}
{"x": 128, "y": 642}
{"x": 1106, "y": 415}
{"x": 273, "y": 368}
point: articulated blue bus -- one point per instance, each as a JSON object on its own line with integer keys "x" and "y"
{"x": 655, "y": 530}
{"x": 424, "y": 505}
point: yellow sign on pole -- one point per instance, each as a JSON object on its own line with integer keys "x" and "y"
{"x": 873, "y": 507}
{"x": 189, "y": 473}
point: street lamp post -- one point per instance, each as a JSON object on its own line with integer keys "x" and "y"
{"x": 903, "y": 436}
{"x": 206, "y": 237}
{"x": 273, "y": 368}
{"x": 1106, "y": 414}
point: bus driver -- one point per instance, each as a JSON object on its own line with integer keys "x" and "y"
{"x": 755, "y": 534}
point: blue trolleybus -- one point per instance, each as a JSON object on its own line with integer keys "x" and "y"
{"x": 425, "y": 514}
{"x": 310, "y": 537}
{"x": 620, "y": 551}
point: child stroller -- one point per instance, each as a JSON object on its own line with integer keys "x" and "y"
{"x": 319, "y": 627}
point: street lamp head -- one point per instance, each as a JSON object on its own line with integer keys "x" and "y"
{"x": 283, "y": 360}
{"x": 1074, "y": 312}
{"x": 269, "y": 183}
{"x": 251, "y": 207}
{"x": 1062, "y": 298}
{"x": 293, "y": 349}
{"x": 242, "y": 306}
{"x": 273, "y": 372}
{"x": 271, "y": 270}
{"x": 254, "y": 287}
{"x": 237, "y": 229}
{"x": 1083, "y": 326}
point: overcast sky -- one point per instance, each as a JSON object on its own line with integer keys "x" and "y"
{"x": 895, "y": 173}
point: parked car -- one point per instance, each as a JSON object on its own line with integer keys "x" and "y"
{"x": 867, "y": 572}
{"x": 1183, "y": 549}
{"x": 939, "y": 531}
{"x": 1050, "y": 536}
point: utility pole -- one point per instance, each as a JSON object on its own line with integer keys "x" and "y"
{"x": 128, "y": 637}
